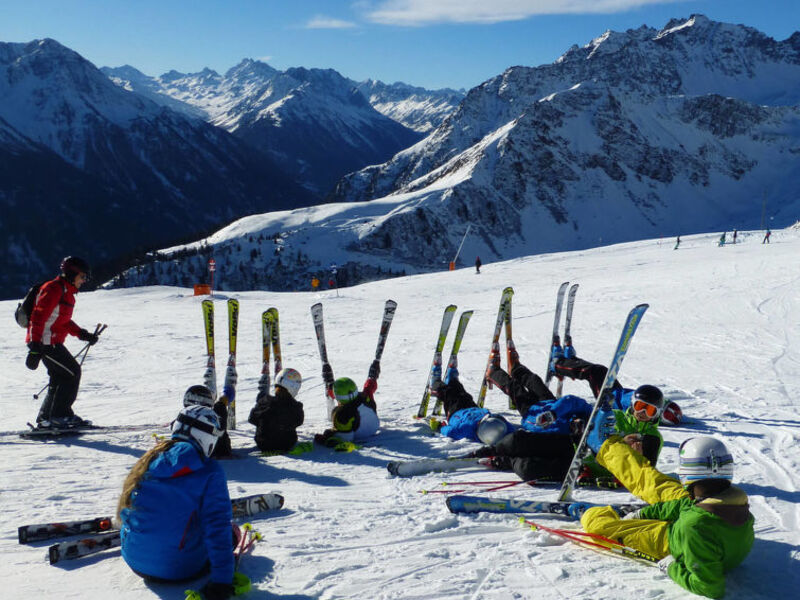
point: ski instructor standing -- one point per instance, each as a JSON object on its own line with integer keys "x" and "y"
{"x": 50, "y": 322}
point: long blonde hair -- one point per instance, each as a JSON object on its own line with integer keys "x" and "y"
{"x": 138, "y": 470}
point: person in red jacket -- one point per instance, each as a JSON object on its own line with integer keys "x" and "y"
{"x": 50, "y": 323}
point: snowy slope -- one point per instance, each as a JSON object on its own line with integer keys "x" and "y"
{"x": 722, "y": 338}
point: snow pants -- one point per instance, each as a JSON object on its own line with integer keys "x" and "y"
{"x": 65, "y": 378}
{"x": 537, "y": 455}
{"x": 643, "y": 480}
{"x": 577, "y": 368}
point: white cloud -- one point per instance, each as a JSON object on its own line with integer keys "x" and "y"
{"x": 323, "y": 22}
{"x": 430, "y": 12}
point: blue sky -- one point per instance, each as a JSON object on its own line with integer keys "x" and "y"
{"x": 432, "y": 43}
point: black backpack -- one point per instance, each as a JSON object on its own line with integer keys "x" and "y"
{"x": 25, "y": 308}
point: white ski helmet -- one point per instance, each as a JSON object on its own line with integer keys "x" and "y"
{"x": 198, "y": 424}
{"x": 704, "y": 458}
{"x": 491, "y": 429}
{"x": 290, "y": 380}
{"x": 198, "y": 395}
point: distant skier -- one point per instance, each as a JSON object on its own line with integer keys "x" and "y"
{"x": 277, "y": 417}
{"x": 699, "y": 528}
{"x": 50, "y": 323}
{"x": 677, "y": 243}
{"x": 766, "y": 237}
{"x": 478, "y": 264}
{"x": 735, "y": 233}
{"x": 355, "y": 417}
{"x": 175, "y": 509}
{"x": 721, "y": 239}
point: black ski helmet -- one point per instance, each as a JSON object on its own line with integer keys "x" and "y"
{"x": 198, "y": 395}
{"x": 651, "y": 395}
{"x": 72, "y": 265}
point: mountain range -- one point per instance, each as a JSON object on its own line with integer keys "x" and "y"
{"x": 90, "y": 167}
{"x": 315, "y": 123}
{"x": 694, "y": 127}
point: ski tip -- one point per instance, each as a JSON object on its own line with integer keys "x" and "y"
{"x": 53, "y": 554}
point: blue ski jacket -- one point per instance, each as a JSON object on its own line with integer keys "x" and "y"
{"x": 564, "y": 409}
{"x": 180, "y": 518}
{"x": 463, "y": 424}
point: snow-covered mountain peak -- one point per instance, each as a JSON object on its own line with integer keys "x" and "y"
{"x": 250, "y": 68}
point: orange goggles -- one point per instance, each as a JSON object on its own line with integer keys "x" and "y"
{"x": 645, "y": 407}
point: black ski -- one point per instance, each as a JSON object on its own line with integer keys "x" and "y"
{"x": 554, "y": 339}
{"x": 567, "y": 331}
{"x": 327, "y": 371}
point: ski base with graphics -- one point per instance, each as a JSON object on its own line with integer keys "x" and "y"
{"x": 473, "y": 504}
{"x": 53, "y": 432}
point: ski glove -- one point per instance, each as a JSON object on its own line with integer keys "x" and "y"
{"x": 374, "y": 370}
{"x": 665, "y": 562}
{"x": 34, "y": 355}
{"x": 435, "y": 424}
{"x": 216, "y": 591}
{"x": 545, "y": 419}
{"x": 87, "y": 336}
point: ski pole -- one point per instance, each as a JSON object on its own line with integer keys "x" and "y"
{"x": 82, "y": 353}
{"x": 595, "y": 540}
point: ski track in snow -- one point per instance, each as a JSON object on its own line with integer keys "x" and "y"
{"x": 722, "y": 338}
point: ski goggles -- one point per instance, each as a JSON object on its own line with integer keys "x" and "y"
{"x": 641, "y": 406}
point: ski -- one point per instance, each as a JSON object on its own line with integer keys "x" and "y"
{"x": 245, "y": 506}
{"x": 567, "y": 330}
{"x": 511, "y": 351}
{"x": 50, "y": 432}
{"x": 631, "y": 323}
{"x": 275, "y": 340}
{"x": 327, "y": 371}
{"x": 432, "y": 465}
{"x": 447, "y": 319}
{"x": 242, "y": 507}
{"x": 210, "y": 376}
{"x": 267, "y": 321}
{"x": 83, "y": 547}
{"x": 505, "y": 303}
{"x": 386, "y": 322}
{"x": 46, "y": 531}
{"x": 473, "y": 504}
{"x": 452, "y": 362}
{"x": 229, "y": 387}
{"x": 554, "y": 339}
{"x": 248, "y": 506}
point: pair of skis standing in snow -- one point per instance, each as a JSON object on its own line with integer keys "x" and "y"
{"x": 695, "y": 530}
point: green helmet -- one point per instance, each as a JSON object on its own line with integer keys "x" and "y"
{"x": 345, "y": 389}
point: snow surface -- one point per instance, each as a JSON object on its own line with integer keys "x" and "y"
{"x": 722, "y": 338}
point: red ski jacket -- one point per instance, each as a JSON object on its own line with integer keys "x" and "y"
{"x": 51, "y": 318}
